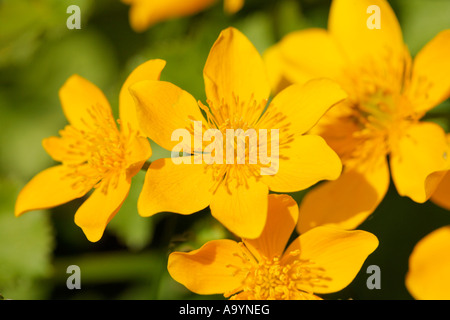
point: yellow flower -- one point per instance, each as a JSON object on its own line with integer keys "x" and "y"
{"x": 93, "y": 153}
{"x": 323, "y": 260}
{"x": 388, "y": 94}
{"x": 237, "y": 90}
{"x": 145, "y": 13}
{"x": 428, "y": 277}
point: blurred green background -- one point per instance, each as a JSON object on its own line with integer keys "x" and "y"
{"x": 38, "y": 53}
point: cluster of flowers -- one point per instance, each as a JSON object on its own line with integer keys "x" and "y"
{"x": 345, "y": 99}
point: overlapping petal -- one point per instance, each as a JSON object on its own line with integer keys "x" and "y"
{"x": 347, "y": 201}
{"x": 338, "y": 253}
{"x": 282, "y": 215}
{"x": 163, "y": 108}
{"x": 441, "y": 196}
{"x": 304, "y": 55}
{"x": 300, "y": 106}
{"x": 149, "y": 70}
{"x": 302, "y": 163}
{"x": 139, "y": 151}
{"x": 241, "y": 207}
{"x": 168, "y": 187}
{"x": 421, "y": 151}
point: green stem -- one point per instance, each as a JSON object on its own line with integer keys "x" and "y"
{"x": 146, "y": 165}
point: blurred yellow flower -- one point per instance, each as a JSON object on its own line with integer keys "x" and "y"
{"x": 428, "y": 277}
{"x": 145, "y": 13}
{"x": 323, "y": 260}
{"x": 93, "y": 153}
{"x": 388, "y": 94}
{"x": 237, "y": 91}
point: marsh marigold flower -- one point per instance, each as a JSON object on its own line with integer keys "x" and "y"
{"x": 237, "y": 91}
{"x": 145, "y": 13}
{"x": 93, "y": 152}
{"x": 428, "y": 277}
{"x": 323, "y": 260}
{"x": 388, "y": 94}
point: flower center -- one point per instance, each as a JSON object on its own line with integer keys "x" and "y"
{"x": 279, "y": 279}
{"x": 382, "y": 118}
{"x": 95, "y": 152}
{"x": 377, "y": 106}
{"x": 246, "y": 149}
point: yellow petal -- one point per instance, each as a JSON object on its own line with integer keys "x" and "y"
{"x": 101, "y": 206}
{"x": 428, "y": 277}
{"x": 144, "y": 13}
{"x": 241, "y": 207}
{"x": 339, "y": 253}
{"x": 60, "y": 152}
{"x": 276, "y": 69}
{"x": 430, "y": 83}
{"x": 163, "y": 108}
{"x": 150, "y": 70}
{"x": 235, "y": 70}
{"x": 304, "y": 55}
{"x": 282, "y": 215}
{"x": 181, "y": 188}
{"x": 233, "y": 6}
{"x": 347, "y": 201}
{"x": 349, "y": 24}
{"x": 210, "y": 269}
{"x": 300, "y": 106}
{"x": 78, "y": 96}
{"x": 139, "y": 151}
{"x": 422, "y": 150}
{"x": 441, "y": 196}
{"x": 50, "y": 188}
{"x": 303, "y": 162}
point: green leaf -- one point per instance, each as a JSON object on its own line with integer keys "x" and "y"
{"x": 30, "y": 107}
{"x": 26, "y": 24}
{"x": 422, "y": 20}
{"x": 26, "y": 247}
{"x": 257, "y": 28}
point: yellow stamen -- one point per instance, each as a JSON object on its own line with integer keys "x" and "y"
{"x": 275, "y": 279}
{"x": 241, "y": 117}
{"x": 100, "y": 149}
{"x": 378, "y": 106}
